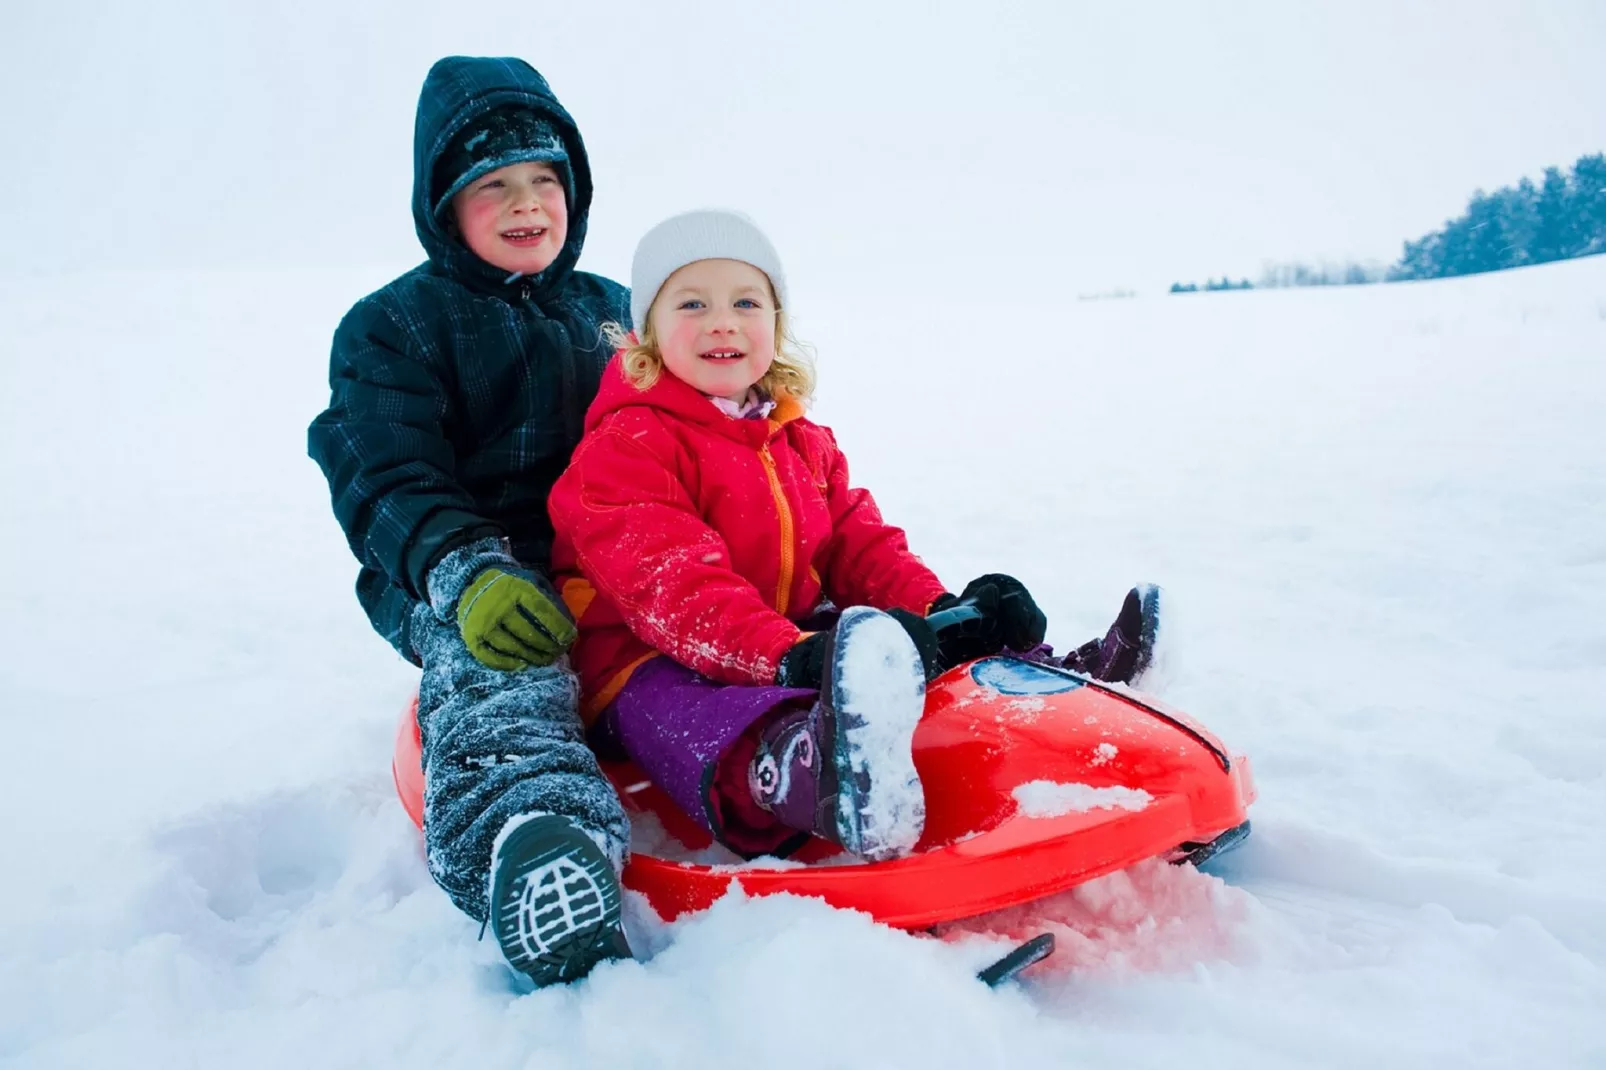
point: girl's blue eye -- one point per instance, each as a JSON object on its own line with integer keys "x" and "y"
{"x": 747, "y": 302}
{"x": 691, "y": 304}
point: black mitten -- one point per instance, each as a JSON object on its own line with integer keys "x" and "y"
{"x": 1009, "y": 619}
{"x": 804, "y": 664}
{"x": 1021, "y": 624}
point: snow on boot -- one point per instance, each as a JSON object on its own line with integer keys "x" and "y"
{"x": 1127, "y": 650}
{"x": 844, "y": 769}
{"x": 554, "y": 900}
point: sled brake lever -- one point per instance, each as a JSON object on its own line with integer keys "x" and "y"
{"x": 1007, "y": 968}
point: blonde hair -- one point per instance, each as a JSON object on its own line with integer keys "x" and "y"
{"x": 792, "y": 372}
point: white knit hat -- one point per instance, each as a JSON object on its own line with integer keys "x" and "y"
{"x": 710, "y": 234}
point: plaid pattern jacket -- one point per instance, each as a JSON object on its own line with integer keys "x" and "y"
{"x": 457, "y": 395}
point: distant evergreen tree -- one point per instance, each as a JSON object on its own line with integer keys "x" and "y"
{"x": 1550, "y": 211}
{"x": 1588, "y": 199}
{"x": 1519, "y": 221}
{"x": 1476, "y": 242}
{"x": 1211, "y": 286}
{"x": 1421, "y": 259}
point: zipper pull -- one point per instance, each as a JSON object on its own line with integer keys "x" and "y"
{"x": 524, "y": 294}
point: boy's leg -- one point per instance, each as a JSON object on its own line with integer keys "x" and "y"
{"x": 499, "y": 746}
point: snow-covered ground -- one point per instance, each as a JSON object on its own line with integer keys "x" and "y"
{"x": 1380, "y": 513}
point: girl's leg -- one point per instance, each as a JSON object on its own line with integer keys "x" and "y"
{"x": 1127, "y": 651}
{"x": 837, "y": 763}
{"x": 692, "y": 737}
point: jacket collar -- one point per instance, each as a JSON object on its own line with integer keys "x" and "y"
{"x": 674, "y": 397}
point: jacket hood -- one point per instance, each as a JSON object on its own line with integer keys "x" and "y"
{"x": 458, "y": 90}
{"x": 675, "y": 398}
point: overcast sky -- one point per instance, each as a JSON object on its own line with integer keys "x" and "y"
{"x": 1061, "y": 147}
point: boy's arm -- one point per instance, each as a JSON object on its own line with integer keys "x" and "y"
{"x": 639, "y": 539}
{"x": 867, "y": 562}
{"x": 383, "y": 447}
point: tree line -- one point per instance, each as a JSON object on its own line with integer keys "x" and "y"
{"x": 1562, "y": 217}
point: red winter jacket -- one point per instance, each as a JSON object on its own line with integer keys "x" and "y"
{"x": 683, "y": 531}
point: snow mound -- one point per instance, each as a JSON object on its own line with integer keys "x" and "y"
{"x": 1046, "y": 798}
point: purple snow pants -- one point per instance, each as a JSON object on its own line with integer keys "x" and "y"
{"x": 677, "y": 725}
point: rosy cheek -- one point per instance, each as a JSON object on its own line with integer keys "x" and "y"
{"x": 683, "y": 336}
{"x": 479, "y": 218}
{"x": 764, "y": 337}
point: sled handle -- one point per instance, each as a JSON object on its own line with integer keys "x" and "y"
{"x": 963, "y": 612}
{"x": 954, "y": 617}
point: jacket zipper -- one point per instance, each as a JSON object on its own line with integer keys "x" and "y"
{"x": 572, "y": 413}
{"x": 783, "y": 586}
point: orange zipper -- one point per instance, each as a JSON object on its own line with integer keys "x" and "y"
{"x": 783, "y": 587}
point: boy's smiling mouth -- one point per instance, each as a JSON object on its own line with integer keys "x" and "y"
{"x": 524, "y": 235}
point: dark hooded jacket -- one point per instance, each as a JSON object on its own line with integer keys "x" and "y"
{"x": 457, "y": 394}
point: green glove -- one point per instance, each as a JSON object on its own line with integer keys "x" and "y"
{"x": 511, "y": 622}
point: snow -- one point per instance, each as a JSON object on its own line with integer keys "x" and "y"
{"x": 879, "y": 692}
{"x": 1379, "y": 513}
{"x": 1045, "y": 798}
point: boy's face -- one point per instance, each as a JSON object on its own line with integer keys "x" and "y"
{"x": 516, "y": 217}
{"x": 714, "y": 321}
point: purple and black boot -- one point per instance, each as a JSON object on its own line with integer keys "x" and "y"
{"x": 1127, "y": 650}
{"x": 844, "y": 769}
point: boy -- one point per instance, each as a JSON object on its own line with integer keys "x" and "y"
{"x": 458, "y": 392}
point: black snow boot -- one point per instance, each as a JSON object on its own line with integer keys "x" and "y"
{"x": 1127, "y": 650}
{"x": 844, "y": 768}
{"x": 554, "y": 901}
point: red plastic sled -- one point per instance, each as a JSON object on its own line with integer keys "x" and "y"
{"x": 1007, "y": 751}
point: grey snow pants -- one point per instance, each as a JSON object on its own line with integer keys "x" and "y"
{"x": 499, "y": 745}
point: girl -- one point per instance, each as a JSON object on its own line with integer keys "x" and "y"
{"x": 704, "y": 530}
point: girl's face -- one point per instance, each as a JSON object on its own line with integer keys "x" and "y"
{"x": 515, "y": 218}
{"x": 714, "y": 321}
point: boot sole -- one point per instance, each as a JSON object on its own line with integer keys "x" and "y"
{"x": 1149, "y": 600}
{"x": 555, "y": 902}
{"x": 878, "y": 692}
